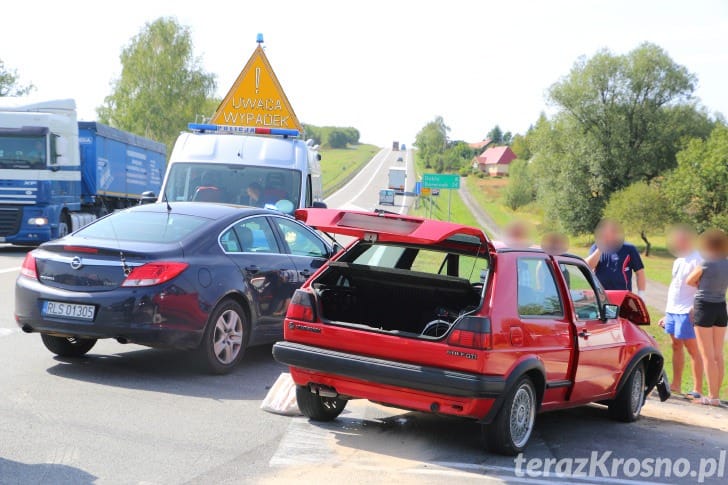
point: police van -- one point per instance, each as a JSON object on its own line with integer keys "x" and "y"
{"x": 250, "y": 152}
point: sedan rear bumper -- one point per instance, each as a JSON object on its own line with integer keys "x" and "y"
{"x": 147, "y": 316}
{"x": 391, "y": 373}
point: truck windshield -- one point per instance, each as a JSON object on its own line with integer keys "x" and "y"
{"x": 23, "y": 152}
{"x": 233, "y": 184}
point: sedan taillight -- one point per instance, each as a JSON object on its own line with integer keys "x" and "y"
{"x": 151, "y": 274}
{"x": 301, "y": 307}
{"x": 28, "y": 268}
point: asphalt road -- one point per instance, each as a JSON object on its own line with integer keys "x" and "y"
{"x": 130, "y": 415}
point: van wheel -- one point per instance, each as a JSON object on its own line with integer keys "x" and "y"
{"x": 626, "y": 407}
{"x": 67, "y": 346}
{"x": 225, "y": 338}
{"x": 318, "y": 408}
{"x": 511, "y": 429}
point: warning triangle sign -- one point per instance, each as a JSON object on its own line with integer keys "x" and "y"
{"x": 257, "y": 99}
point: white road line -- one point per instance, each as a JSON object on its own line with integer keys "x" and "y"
{"x": 361, "y": 173}
{"x": 9, "y": 270}
{"x": 366, "y": 187}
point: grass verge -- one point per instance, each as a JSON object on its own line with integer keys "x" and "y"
{"x": 339, "y": 165}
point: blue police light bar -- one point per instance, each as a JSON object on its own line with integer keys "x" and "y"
{"x": 243, "y": 130}
{"x": 259, "y": 38}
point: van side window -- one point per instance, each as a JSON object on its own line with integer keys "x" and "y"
{"x": 538, "y": 295}
{"x": 309, "y": 191}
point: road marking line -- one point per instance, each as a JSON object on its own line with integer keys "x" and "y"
{"x": 366, "y": 187}
{"x": 9, "y": 270}
{"x": 361, "y": 173}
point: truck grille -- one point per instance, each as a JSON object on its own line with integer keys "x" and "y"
{"x": 9, "y": 220}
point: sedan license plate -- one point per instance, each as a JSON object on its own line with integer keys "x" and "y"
{"x": 68, "y": 310}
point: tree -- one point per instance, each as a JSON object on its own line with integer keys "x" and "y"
{"x": 697, "y": 187}
{"x": 496, "y": 135}
{"x": 507, "y": 138}
{"x": 336, "y": 138}
{"x": 520, "y": 190}
{"x": 623, "y": 102}
{"x": 431, "y": 142}
{"x": 519, "y": 145}
{"x": 10, "y": 82}
{"x": 162, "y": 86}
{"x": 641, "y": 208}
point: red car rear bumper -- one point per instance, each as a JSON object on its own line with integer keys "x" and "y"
{"x": 397, "y": 384}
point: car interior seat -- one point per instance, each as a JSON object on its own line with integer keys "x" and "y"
{"x": 245, "y": 235}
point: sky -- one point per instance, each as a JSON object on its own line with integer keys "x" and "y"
{"x": 384, "y": 67}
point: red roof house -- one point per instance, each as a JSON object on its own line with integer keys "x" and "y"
{"x": 494, "y": 161}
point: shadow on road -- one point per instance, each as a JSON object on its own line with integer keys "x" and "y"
{"x": 174, "y": 372}
{"x": 41, "y": 473}
{"x": 574, "y": 433}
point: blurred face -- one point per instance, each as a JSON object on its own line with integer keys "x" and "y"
{"x": 610, "y": 236}
{"x": 680, "y": 242}
{"x": 253, "y": 194}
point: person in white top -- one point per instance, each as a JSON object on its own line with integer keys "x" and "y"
{"x": 677, "y": 321}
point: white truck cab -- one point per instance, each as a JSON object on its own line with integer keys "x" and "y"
{"x": 264, "y": 171}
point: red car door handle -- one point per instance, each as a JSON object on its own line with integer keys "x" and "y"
{"x": 584, "y": 334}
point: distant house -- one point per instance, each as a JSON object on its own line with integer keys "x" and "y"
{"x": 494, "y": 161}
{"x": 479, "y": 146}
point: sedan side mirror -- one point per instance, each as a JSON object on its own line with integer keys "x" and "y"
{"x": 335, "y": 249}
{"x": 610, "y": 311}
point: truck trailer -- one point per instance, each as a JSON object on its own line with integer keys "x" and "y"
{"x": 58, "y": 174}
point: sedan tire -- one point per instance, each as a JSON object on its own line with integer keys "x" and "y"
{"x": 626, "y": 407}
{"x": 226, "y": 337}
{"x": 511, "y": 429}
{"x": 67, "y": 346}
{"x": 318, "y": 408}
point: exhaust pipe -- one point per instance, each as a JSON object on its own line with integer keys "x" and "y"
{"x": 27, "y": 328}
{"x": 323, "y": 391}
{"x": 122, "y": 340}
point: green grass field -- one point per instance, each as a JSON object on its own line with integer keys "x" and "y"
{"x": 339, "y": 165}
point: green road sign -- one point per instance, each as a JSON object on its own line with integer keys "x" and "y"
{"x": 441, "y": 181}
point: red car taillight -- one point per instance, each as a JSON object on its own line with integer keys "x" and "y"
{"x": 471, "y": 332}
{"x": 301, "y": 307}
{"x": 151, "y": 274}
{"x": 28, "y": 268}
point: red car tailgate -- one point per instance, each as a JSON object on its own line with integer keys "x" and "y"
{"x": 386, "y": 227}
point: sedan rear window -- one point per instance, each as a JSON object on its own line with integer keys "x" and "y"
{"x": 153, "y": 227}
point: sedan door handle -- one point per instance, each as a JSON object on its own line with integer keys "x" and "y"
{"x": 584, "y": 334}
{"x": 305, "y": 273}
{"x": 252, "y": 269}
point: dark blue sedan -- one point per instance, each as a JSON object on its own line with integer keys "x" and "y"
{"x": 206, "y": 277}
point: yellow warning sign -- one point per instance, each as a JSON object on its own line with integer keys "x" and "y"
{"x": 256, "y": 99}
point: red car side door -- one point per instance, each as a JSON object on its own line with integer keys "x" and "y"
{"x": 600, "y": 343}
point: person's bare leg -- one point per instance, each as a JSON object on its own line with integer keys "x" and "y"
{"x": 718, "y": 339}
{"x": 697, "y": 364}
{"x": 705, "y": 344}
{"x": 678, "y": 364}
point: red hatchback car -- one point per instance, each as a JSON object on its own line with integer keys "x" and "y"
{"x": 430, "y": 316}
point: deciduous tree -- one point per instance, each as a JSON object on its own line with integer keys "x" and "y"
{"x": 10, "y": 84}
{"x": 162, "y": 85}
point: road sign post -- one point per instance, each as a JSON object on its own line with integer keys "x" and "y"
{"x": 442, "y": 181}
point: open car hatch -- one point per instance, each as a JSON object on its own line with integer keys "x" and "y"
{"x": 371, "y": 226}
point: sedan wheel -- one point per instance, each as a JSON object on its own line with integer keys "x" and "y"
{"x": 225, "y": 337}
{"x": 67, "y": 346}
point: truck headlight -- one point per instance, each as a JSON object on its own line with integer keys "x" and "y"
{"x": 38, "y": 221}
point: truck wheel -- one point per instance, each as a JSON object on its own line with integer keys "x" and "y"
{"x": 511, "y": 429}
{"x": 626, "y": 407}
{"x": 318, "y": 408}
{"x": 67, "y": 346}
{"x": 64, "y": 225}
{"x": 225, "y": 338}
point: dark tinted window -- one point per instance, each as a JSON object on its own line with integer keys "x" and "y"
{"x": 537, "y": 292}
{"x": 154, "y": 227}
